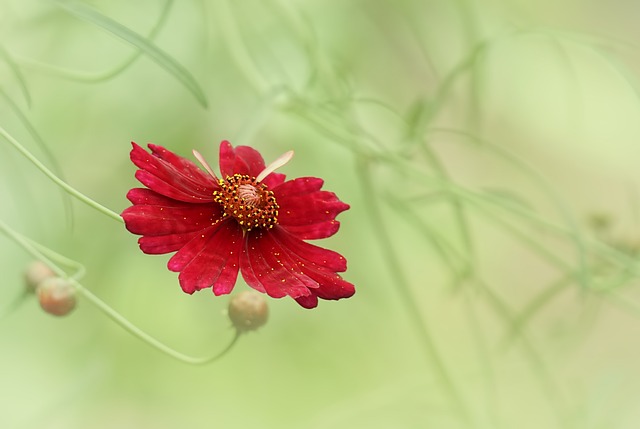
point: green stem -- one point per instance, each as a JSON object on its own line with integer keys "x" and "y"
{"x": 32, "y": 249}
{"x": 13, "y": 67}
{"x": 152, "y": 341}
{"x": 534, "y": 306}
{"x": 93, "y": 77}
{"x": 238, "y": 49}
{"x": 402, "y": 284}
{"x": 55, "y": 179}
{"x": 42, "y": 146}
{"x": 262, "y": 112}
{"x": 61, "y": 259}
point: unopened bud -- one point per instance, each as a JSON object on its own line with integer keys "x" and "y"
{"x": 248, "y": 311}
{"x": 57, "y": 296}
{"x": 36, "y": 273}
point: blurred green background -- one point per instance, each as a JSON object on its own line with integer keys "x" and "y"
{"x": 489, "y": 152}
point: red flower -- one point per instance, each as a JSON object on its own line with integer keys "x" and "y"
{"x": 251, "y": 220}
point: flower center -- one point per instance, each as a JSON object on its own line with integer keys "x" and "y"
{"x": 248, "y": 201}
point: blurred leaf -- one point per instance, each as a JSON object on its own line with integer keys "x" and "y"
{"x": 164, "y": 60}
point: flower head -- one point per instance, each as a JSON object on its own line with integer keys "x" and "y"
{"x": 250, "y": 220}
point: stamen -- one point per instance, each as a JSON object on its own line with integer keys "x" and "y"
{"x": 204, "y": 163}
{"x": 275, "y": 165}
{"x": 250, "y": 203}
{"x": 249, "y": 194}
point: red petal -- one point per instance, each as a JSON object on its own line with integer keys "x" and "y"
{"x": 241, "y": 160}
{"x": 273, "y": 180}
{"x": 312, "y": 232}
{"x": 320, "y": 256}
{"x": 332, "y": 286}
{"x": 171, "y": 175}
{"x": 245, "y": 160}
{"x": 152, "y": 214}
{"x": 310, "y": 301}
{"x": 210, "y": 259}
{"x": 270, "y": 268}
{"x": 306, "y": 211}
{"x": 165, "y": 243}
{"x": 320, "y": 265}
{"x": 280, "y": 264}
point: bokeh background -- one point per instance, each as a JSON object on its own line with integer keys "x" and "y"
{"x": 489, "y": 152}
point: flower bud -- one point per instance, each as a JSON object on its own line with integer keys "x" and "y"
{"x": 36, "y": 272}
{"x": 248, "y": 311}
{"x": 57, "y": 296}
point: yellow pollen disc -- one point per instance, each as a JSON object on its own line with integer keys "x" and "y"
{"x": 248, "y": 201}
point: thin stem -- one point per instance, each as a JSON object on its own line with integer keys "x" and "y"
{"x": 17, "y": 74}
{"x": 547, "y": 381}
{"x": 238, "y": 49}
{"x": 61, "y": 259}
{"x": 27, "y": 245}
{"x": 55, "y": 179}
{"x": 402, "y": 284}
{"x": 43, "y": 147}
{"x": 460, "y": 215}
{"x": 94, "y": 77}
{"x": 543, "y": 184}
{"x": 152, "y": 341}
{"x": 264, "y": 108}
{"x": 534, "y": 306}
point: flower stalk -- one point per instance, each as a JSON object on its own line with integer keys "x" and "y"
{"x": 118, "y": 318}
{"x": 55, "y": 179}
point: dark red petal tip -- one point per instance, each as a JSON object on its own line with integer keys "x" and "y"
{"x": 171, "y": 175}
{"x": 279, "y": 264}
{"x": 306, "y": 211}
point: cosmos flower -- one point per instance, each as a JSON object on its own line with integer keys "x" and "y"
{"x": 250, "y": 220}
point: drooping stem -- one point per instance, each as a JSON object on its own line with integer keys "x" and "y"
{"x": 35, "y": 251}
{"x": 136, "y": 331}
{"x": 55, "y": 179}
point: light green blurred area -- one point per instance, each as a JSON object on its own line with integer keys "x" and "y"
{"x": 544, "y": 107}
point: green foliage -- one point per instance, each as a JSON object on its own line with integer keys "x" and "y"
{"x": 487, "y": 154}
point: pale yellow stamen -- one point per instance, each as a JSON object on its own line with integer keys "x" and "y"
{"x": 286, "y": 157}
{"x": 205, "y": 164}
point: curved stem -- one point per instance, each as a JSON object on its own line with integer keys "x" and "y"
{"x": 94, "y": 77}
{"x": 55, "y": 179}
{"x": 42, "y": 146}
{"x": 32, "y": 249}
{"x": 152, "y": 341}
{"x": 79, "y": 269}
